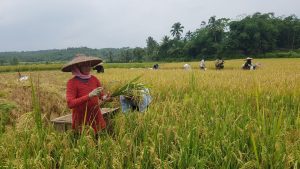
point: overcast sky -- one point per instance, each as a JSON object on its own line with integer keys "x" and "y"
{"x": 56, "y": 24}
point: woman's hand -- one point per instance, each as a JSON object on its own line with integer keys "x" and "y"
{"x": 95, "y": 92}
{"x": 107, "y": 97}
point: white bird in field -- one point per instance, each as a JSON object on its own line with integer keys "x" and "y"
{"x": 22, "y": 77}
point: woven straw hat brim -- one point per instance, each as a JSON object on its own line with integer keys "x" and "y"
{"x": 248, "y": 58}
{"x": 81, "y": 59}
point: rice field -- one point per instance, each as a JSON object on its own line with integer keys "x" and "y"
{"x": 198, "y": 119}
{"x": 57, "y": 66}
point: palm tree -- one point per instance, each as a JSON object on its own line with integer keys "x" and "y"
{"x": 152, "y": 47}
{"x": 203, "y": 24}
{"x": 176, "y": 30}
{"x": 188, "y": 35}
{"x": 165, "y": 39}
{"x": 217, "y": 26}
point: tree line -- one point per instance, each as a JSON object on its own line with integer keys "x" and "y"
{"x": 256, "y": 35}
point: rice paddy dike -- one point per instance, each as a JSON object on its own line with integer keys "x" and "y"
{"x": 198, "y": 119}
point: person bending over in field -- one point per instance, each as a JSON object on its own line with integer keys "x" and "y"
{"x": 219, "y": 64}
{"x": 83, "y": 93}
{"x": 202, "y": 65}
{"x": 248, "y": 64}
{"x": 187, "y": 67}
{"x": 140, "y": 104}
{"x": 99, "y": 68}
{"x": 155, "y": 66}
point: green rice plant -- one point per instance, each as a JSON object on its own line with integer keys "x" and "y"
{"x": 132, "y": 90}
{"x": 5, "y": 110}
{"x": 37, "y": 114}
{"x": 124, "y": 89}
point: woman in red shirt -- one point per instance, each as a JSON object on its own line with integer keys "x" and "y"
{"x": 83, "y": 93}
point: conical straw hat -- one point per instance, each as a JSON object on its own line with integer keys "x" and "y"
{"x": 248, "y": 58}
{"x": 80, "y": 58}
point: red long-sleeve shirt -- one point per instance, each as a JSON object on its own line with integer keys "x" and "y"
{"x": 81, "y": 105}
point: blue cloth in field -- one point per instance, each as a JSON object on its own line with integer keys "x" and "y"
{"x": 127, "y": 104}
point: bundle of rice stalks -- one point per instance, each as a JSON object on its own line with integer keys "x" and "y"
{"x": 132, "y": 90}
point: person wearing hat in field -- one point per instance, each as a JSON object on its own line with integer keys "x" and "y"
{"x": 141, "y": 105}
{"x": 99, "y": 68}
{"x": 155, "y": 66}
{"x": 202, "y": 65}
{"x": 219, "y": 64}
{"x": 84, "y": 94}
{"x": 248, "y": 64}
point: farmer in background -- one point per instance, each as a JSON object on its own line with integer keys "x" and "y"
{"x": 202, "y": 65}
{"x": 155, "y": 67}
{"x": 140, "y": 104}
{"x": 248, "y": 64}
{"x": 187, "y": 67}
{"x": 99, "y": 68}
{"x": 85, "y": 94}
{"x": 219, "y": 64}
